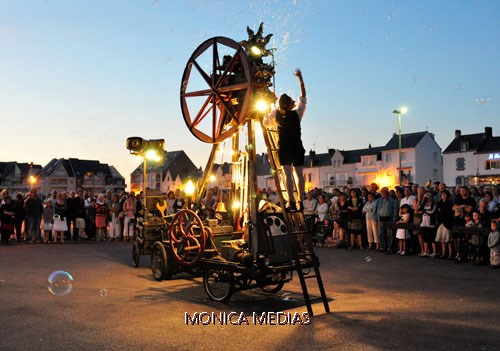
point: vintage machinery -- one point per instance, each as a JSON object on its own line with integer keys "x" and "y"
{"x": 225, "y": 93}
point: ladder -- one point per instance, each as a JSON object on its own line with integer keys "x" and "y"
{"x": 301, "y": 246}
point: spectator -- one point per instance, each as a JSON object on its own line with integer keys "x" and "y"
{"x": 428, "y": 225}
{"x": 464, "y": 201}
{"x": 72, "y": 203}
{"x": 494, "y": 245}
{"x": 101, "y": 217}
{"x": 60, "y": 209}
{"x": 402, "y": 233}
{"x": 47, "y": 220}
{"x": 170, "y": 203}
{"x": 128, "y": 225}
{"x": 355, "y": 218}
{"x": 336, "y": 237}
{"x": 408, "y": 197}
{"x": 371, "y": 222}
{"x": 386, "y": 210}
{"x": 321, "y": 210}
{"x": 459, "y": 238}
{"x": 114, "y": 224}
{"x": 6, "y": 219}
{"x": 19, "y": 217}
{"x": 444, "y": 217}
{"x": 33, "y": 207}
{"x": 417, "y": 219}
{"x": 475, "y": 240}
{"x": 90, "y": 219}
{"x": 310, "y": 204}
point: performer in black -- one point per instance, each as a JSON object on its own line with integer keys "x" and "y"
{"x": 291, "y": 152}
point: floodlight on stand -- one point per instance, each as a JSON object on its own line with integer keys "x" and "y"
{"x": 152, "y": 155}
{"x": 212, "y": 178}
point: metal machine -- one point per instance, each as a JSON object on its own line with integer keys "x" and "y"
{"x": 259, "y": 244}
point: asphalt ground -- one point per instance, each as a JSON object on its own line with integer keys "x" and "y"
{"x": 377, "y": 301}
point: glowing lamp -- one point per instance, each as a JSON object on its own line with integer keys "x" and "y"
{"x": 262, "y": 105}
{"x": 189, "y": 188}
{"x": 256, "y": 51}
{"x": 152, "y": 155}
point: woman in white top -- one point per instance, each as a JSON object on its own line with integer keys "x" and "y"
{"x": 321, "y": 209}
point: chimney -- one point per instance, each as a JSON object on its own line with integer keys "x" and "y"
{"x": 458, "y": 133}
{"x": 488, "y": 131}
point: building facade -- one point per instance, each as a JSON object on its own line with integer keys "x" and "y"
{"x": 72, "y": 174}
{"x": 18, "y": 177}
{"x": 472, "y": 159}
{"x": 168, "y": 175}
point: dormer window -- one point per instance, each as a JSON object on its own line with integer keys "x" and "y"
{"x": 464, "y": 145}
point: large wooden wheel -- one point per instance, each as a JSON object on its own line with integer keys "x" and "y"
{"x": 216, "y": 89}
{"x": 187, "y": 237}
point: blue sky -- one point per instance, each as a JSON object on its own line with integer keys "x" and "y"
{"x": 79, "y": 77}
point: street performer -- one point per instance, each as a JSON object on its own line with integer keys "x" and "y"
{"x": 291, "y": 152}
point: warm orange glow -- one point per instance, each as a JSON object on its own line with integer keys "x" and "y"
{"x": 383, "y": 180}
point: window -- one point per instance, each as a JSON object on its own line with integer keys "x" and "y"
{"x": 404, "y": 156}
{"x": 388, "y": 157}
{"x": 434, "y": 173}
{"x": 492, "y": 165}
{"x": 435, "y": 157}
{"x": 460, "y": 164}
{"x": 365, "y": 161}
{"x": 464, "y": 146}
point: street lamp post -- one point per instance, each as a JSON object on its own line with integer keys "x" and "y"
{"x": 399, "y": 112}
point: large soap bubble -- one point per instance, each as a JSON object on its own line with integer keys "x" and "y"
{"x": 60, "y": 283}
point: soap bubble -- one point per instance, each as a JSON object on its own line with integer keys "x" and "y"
{"x": 60, "y": 283}
{"x": 482, "y": 100}
{"x": 414, "y": 79}
{"x": 103, "y": 292}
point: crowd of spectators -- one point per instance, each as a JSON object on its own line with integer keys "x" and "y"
{"x": 458, "y": 223}
{"x": 74, "y": 216}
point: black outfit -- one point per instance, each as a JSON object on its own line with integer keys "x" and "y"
{"x": 73, "y": 204}
{"x": 291, "y": 150}
{"x": 7, "y": 226}
{"x": 19, "y": 215}
{"x": 444, "y": 214}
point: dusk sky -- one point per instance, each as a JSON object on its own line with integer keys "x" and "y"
{"x": 79, "y": 77}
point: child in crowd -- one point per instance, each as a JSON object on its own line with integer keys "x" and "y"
{"x": 401, "y": 232}
{"x": 47, "y": 219}
{"x": 494, "y": 245}
{"x": 475, "y": 239}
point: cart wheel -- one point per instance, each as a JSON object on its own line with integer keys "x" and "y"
{"x": 216, "y": 89}
{"x": 277, "y": 286}
{"x": 136, "y": 253}
{"x": 218, "y": 284}
{"x": 159, "y": 263}
{"x": 187, "y": 237}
